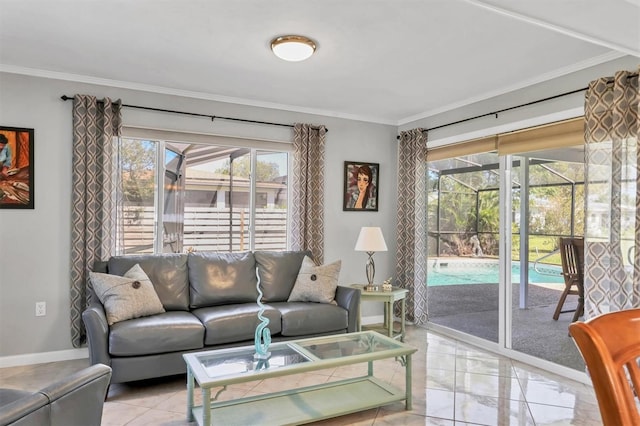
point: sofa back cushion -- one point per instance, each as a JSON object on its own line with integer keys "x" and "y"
{"x": 222, "y": 278}
{"x": 278, "y": 271}
{"x": 167, "y": 272}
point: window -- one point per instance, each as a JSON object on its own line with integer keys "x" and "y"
{"x": 180, "y": 195}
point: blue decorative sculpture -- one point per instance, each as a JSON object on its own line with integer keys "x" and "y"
{"x": 263, "y": 334}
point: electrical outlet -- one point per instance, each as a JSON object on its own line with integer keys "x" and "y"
{"x": 41, "y": 309}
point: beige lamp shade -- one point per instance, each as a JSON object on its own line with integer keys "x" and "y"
{"x": 371, "y": 239}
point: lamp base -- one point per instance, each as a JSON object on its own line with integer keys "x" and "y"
{"x": 371, "y": 287}
{"x": 370, "y": 269}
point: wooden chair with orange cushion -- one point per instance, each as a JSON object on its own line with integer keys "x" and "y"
{"x": 610, "y": 346}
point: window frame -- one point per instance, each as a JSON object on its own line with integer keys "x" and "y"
{"x": 163, "y": 140}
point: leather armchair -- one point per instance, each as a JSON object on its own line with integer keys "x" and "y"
{"x": 74, "y": 400}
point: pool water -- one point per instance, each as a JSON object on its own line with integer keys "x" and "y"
{"x": 456, "y": 273}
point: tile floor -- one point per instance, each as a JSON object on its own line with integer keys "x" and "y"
{"x": 453, "y": 384}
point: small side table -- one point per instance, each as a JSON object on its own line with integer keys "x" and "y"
{"x": 388, "y": 298}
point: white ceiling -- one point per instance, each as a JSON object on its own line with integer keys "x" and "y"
{"x": 386, "y": 61}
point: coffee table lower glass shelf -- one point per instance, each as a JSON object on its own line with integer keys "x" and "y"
{"x": 220, "y": 368}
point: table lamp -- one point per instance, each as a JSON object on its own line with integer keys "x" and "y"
{"x": 370, "y": 240}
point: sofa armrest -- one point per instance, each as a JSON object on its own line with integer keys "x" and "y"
{"x": 95, "y": 322}
{"x": 349, "y": 299}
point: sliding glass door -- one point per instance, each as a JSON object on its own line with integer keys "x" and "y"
{"x": 547, "y": 204}
{"x": 494, "y": 223}
{"x": 463, "y": 235}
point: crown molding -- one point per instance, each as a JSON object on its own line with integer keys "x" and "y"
{"x": 596, "y": 60}
{"x": 78, "y": 78}
{"x": 34, "y": 72}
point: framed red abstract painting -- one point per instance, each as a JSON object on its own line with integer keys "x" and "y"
{"x": 16, "y": 168}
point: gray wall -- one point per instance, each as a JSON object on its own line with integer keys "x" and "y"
{"x": 35, "y": 247}
{"x": 34, "y": 252}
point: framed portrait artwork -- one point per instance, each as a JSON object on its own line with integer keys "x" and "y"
{"x": 361, "y": 186}
{"x": 16, "y": 168}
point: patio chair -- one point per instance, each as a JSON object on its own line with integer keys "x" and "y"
{"x": 572, "y": 255}
{"x": 610, "y": 346}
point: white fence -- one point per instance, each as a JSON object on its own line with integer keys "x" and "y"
{"x": 206, "y": 229}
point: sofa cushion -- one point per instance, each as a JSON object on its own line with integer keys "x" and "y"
{"x": 306, "y": 318}
{"x": 167, "y": 332}
{"x": 126, "y": 297}
{"x": 278, "y": 271}
{"x": 315, "y": 283}
{"x": 222, "y": 278}
{"x": 168, "y": 273}
{"x": 235, "y": 323}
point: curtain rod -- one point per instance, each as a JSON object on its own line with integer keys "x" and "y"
{"x": 517, "y": 106}
{"x": 502, "y": 110}
{"x": 195, "y": 114}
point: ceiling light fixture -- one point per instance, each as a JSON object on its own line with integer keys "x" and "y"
{"x": 293, "y": 48}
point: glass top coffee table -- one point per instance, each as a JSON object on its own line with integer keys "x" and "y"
{"x": 219, "y": 368}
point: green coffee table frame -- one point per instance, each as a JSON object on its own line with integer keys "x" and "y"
{"x": 301, "y": 405}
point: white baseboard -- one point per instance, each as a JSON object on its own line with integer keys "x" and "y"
{"x": 42, "y": 357}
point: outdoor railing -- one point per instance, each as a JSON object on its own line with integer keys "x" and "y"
{"x": 207, "y": 229}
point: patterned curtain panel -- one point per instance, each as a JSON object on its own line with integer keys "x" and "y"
{"x": 612, "y": 235}
{"x": 411, "y": 270}
{"x": 307, "y": 204}
{"x": 96, "y": 126}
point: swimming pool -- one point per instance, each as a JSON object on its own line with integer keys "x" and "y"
{"x": 456, "y": 272}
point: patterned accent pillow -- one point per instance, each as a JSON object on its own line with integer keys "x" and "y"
{"x": 127, "y": 297}
{"x": 316, "y": 283}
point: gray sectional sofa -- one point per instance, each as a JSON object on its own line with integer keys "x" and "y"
{"x": 210, "y": 302}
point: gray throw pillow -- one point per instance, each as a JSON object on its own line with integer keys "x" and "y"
{"x": 127, "y": 297}
{"x": 316, "y": 283}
